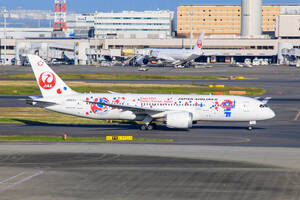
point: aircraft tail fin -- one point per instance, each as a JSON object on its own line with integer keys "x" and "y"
{"x": 199, "y": 44}
{"x": 49, "y": 82}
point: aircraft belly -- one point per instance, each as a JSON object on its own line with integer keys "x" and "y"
{"x": 113, "y": 114}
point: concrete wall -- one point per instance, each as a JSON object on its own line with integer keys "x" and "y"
{"x": 225, "y": 19}
{"x": 288, "y": 26}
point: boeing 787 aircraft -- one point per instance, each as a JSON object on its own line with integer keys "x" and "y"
{"x": 176, "y": 111}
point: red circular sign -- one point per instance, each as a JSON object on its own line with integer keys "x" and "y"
{"x": 47, "y": 80}
{"x": 199, "y": 43}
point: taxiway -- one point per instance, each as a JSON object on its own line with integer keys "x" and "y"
{"x": 210, "y": 161}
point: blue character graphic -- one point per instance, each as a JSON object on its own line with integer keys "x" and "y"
{"x": 228, "y": 105}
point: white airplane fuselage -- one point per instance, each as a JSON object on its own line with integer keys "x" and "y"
{"x": 202, "y": 107}
{"x": 174, "y": 54}
{"x": 177, "y": 111}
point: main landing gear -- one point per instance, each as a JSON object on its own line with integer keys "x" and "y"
{"x": 251, "y": 124}
{"x": 148, "y": 127}
{"x": 148, "y": 124}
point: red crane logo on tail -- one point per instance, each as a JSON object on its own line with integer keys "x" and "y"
{"x": 47, "y": 80}
{"x": 199, "y": 44}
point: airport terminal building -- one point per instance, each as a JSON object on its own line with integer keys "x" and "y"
{"x": 130, "y": 31}
{"x": 226, "y": 19}
{"x": 126, "y": 24}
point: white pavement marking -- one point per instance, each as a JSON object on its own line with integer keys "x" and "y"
{"x": 10, "y": 178}
{"x": 12, "y": 185}
{"x": 297, "y": 116}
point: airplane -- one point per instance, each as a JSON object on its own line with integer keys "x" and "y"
{"x": 176, "y": 111}
{"x": 177, "y": 57}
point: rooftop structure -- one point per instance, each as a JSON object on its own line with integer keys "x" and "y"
{"x": 80, "y": 24}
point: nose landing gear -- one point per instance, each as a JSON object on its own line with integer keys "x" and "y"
{"x": 251, "y": 124}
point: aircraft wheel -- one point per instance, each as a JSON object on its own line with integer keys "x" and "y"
{"x": 151, "y": 127}
{"x": 143, "y": 128}
{"x": 250, "y": 128}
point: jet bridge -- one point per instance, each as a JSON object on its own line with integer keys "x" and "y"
{"x": 51, "y": 52}
{"x": 291, "y": 56}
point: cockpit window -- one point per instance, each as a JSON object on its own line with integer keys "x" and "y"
{"x": 263, "y": 106}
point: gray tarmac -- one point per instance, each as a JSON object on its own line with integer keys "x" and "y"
{"x": 210, "y": 161}
{"x": 38, "y": 176}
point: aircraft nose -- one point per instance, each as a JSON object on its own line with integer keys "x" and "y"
{"x": 271, "y": 114}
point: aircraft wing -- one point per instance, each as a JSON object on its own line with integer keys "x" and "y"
{"x": 130, "y": 108}
{"x": 167, "y": 58}
{"x": 190, "y": 58}
{"x": 212, "y": 54}
{"x": 140, "y": 59}
{"x": 265, "y": 100}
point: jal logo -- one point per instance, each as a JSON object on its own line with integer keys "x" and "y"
{"x": 40, "y": 63}
{"x": 199, "y": 44}
{"x": 47, "y": 80}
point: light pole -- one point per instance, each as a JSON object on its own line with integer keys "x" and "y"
{"x": 5, "y": 15}
{"x": 191, "y": 13}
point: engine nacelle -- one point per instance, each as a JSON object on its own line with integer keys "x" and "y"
{"x": 182, "y": 120}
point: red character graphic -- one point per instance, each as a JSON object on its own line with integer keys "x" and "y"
{"x": 47, "y": 80}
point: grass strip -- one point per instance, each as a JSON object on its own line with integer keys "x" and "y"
{"x": 31, "y": 88}
{"x": 16, "y": 138}
{"x": 121, "y": 76}
{"x": 39, "y": 116}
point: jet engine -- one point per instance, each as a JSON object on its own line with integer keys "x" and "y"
{"x": 182, "y": 120}
{"x": 142, "y": 60}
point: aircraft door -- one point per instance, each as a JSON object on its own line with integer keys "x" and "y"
{"x": 246, "y": 105}
{"x": 80, "y": 107}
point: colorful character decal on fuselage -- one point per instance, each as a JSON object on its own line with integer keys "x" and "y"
{"x": 227, "y": 106}
{"x": 98, "y": 107}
